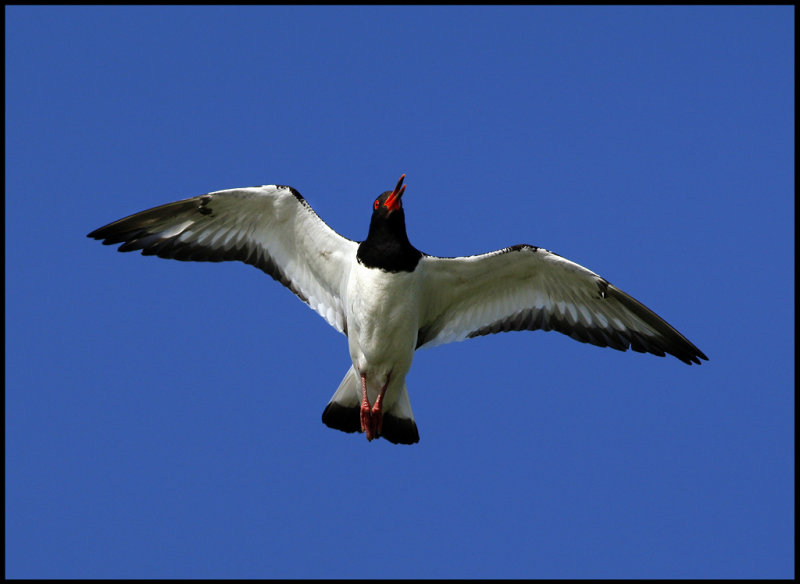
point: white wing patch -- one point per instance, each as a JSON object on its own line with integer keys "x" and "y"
{"x": 528, "y": 288}
{"x": 270, "y": 227}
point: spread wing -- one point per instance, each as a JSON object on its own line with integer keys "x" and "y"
{"x": 270, "y": 227}
{"x": 528, "y": 288}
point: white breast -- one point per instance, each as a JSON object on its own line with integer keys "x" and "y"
{"x": 382, "y": 323}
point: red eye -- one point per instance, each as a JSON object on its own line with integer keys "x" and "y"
{"x": 376, "y": 204}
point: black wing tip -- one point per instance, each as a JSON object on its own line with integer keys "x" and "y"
{"x": 692, "y": 358}
{"x": 681, "y": 348}
{"x": 110, "y": 238}
{"x": 685, "y": 352}
{"x": 348, "y": 419}
{"x": 99, "y": 233}
{"x": 127, "y": 240}
{"x": 671, "y": 341}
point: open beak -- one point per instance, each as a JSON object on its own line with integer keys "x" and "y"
{"x": 393, "y": 201}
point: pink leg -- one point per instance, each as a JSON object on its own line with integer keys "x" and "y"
{"x": 372, "y": 418}
{"x": 366, "y": 422}
{"x": 377, "y": 412}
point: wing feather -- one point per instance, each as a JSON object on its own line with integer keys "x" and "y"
{"x": 529, "y": 288}
{"x": 271, "y": 227}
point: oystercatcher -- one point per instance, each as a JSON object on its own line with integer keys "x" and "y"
{"x": 388, "y": 297}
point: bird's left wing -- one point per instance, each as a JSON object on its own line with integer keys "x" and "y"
{"x": 270, "y": 227}
{"x": 528, "y": 288}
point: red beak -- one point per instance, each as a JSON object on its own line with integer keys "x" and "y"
{"x": 393, "y": 201}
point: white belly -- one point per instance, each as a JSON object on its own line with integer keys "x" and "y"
{"x": 382, "y": 325}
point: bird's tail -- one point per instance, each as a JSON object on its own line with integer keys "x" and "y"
{"x": 343, "y": 412}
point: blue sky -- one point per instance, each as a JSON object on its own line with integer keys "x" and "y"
{"x": 163, "y": 418}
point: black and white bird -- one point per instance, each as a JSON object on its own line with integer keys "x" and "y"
{"x": 389, "y": 298}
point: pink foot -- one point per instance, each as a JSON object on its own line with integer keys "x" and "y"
{"x": 366, "y": 423}
{"x": 371, "y": 417}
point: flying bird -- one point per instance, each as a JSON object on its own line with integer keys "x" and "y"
{"x": 387, "y": 297}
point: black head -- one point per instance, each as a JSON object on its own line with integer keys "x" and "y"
{"x": 387, "y": 246}
{"x": 390, "y": 201}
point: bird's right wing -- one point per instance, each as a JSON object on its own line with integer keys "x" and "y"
{"x": 270, "y": 227}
